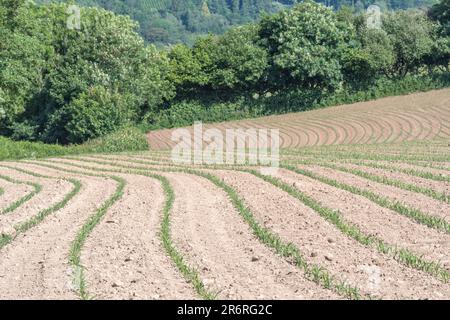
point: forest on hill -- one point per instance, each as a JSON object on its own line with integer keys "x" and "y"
{"x": 68, "y": 85}
{"x": 173, "y": 21}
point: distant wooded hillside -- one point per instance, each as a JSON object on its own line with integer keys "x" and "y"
{"x": 174, "y": 21}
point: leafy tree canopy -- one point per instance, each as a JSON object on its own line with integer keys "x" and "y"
{"x": 175, "y": 21}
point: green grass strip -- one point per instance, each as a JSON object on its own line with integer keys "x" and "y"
{"x": 16, "y": 204}
{"x": 189, "y": 273}
{"x": 412, "y": 213}
{"x": 289, "y": 251}
{"x": 401, "y": 255}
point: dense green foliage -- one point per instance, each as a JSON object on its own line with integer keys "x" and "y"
{"x": 174, "y": 21}
{"x": 66, "y": 85}
{"x": 303, "y": 58}
{"x": 441, "y": 12}
{"x": 306, "y": 45}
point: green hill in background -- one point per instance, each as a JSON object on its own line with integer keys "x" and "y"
{"x": 174, "y": 21}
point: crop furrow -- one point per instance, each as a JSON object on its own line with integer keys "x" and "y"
{"x": 413, "y": 213}
{"x": 190, "y": 273}
{"x": 16, "y": 204}
{"x": 402, "y": 255}
{"x": 291, "y": 253}
{"x": 385, "y": 180}
{"x": 20, "y": 228}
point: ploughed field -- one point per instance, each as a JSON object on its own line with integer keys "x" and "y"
{"x": 359, "y": 209}
{"x": 420, "y": 116}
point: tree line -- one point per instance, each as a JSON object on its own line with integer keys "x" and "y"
{"x": 182, "y": 21}
{"x": 62, "y": 85}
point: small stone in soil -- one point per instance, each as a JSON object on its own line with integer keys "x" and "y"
{"x": 329, "y": 257}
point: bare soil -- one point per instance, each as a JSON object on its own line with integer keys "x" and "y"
{"x": 35, "y": 265}
{"x": 123, "y": 257}
{"x": 411, "y": 199}
{"x": 417, "y": 116}
{"x": 323, "y": 244}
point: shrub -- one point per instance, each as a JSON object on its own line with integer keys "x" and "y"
{"x": 384, "y": 87}
{"x": 93, "y": 114}
{"x": 411, "y": 35}
{"x": 185, "y": 113}
{"x": 23, "y": 131}
{"x": 10, "y": 149}
{"x": 53, "y": 75}
{"x": 305, "y": 44}
{"x": 126, "y": 139}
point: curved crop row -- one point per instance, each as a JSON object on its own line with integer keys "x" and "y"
{"x": 36, "y": 189}
{"x": 188, "y": 272}
{"x": 20, "y": 228}
{"x": 415, "y": 214}
{"x": 390, "y": 122}
{"x": 313, "y": 272}
{"x": 383, "y": 180}
{"x": 402, "y": 255}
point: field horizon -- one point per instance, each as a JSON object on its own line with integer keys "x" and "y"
{"x": 341, "y": 220}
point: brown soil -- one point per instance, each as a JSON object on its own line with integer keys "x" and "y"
{"x": 124, "y": 257}
{"x": 53, "y": 191}
{"x": 13, "y": 193}
{"x": 35, "y": 265}
{"x": 437, "y": 186}
{"x": 372, "y": 219}
{"x": 212, "y": 235}
{"x": 435, "y": 248}
{"x": 411, "y": 199}
{"x": 323, "y": 244}
{"x": 237, "y": 278}
{"x": 421, "y": 168}
{"x": 416, "y": 116}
